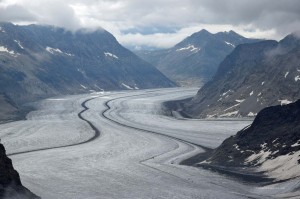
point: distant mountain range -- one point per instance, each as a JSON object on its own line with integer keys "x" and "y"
{"x": 270, "y": 146}
{"x": 252, "y": 77}
{"x": 194, "y": 60}
{"x": 42, "y": 61}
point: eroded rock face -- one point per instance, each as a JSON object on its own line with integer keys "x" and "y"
{"x": 270, "y": 145}
{"x": 10, "y": 183}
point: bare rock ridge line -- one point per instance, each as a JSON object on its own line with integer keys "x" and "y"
{"x": 97, "y": 132}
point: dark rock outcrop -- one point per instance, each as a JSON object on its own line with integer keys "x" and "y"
{"x": 273, "y": 139}
{"x": 10, "y": 183}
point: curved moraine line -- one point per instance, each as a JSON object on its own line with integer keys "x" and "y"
{"x": 97, "y": 133}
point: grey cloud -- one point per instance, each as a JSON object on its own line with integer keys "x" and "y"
{"x": 52, "y": 12}
{"x": 59, "y": 14}
{"x": 280, "y": 15}
{"x": 16, "y": 13}
{"x": 148, "y": 17}
{"x": 263, "y": 14}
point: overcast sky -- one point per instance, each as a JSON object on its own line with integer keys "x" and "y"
{"x": 159, "y": 23}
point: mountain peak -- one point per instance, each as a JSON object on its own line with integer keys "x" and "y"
{"x": 201, "y": 35}
{"x": 291, "y": 41}
{"x": 204, "y": 31}
{"x": 230, "y": 34}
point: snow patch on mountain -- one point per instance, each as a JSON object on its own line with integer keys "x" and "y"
{"x": 4, "y": 49}
{"x": 69, "y": 54}
{"x": 240, "y": 101}
{"x": 282, "y": 167}
{"x": 111, "y": 55}
{"x": 286, "y": 74}
{"x": 57, "y": 51}
{"x": 258, "y": 158}
{"x": 101, "y": 89}
{"x": 53, "y": 50}
{"x": 126, "y": 86}
{"x": 234, "y": 113}
{"x": 19, "y": 43}
{"x": 251, "y": 114}
{"x": 296, "y": 144}
{"x": 284, "y": 102}
{"x": 230, "y": 44}
{"x": 232, "y": 107}
{"x": 223, "y": 94}
{"x": 84, "y": 87}
{"x": 297, "y": 78}
{"x": 2, "y": 30}
{"x": 190, "y": 47}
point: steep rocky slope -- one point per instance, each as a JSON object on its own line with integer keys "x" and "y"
{"x": 252, "y": 77}
{"x": 270, "y": 145}
{"x": 194, "y": 60}
{"x": 41, "y": 61}
{"x": 8, "y": 109}
{"x": 10, "y": 183}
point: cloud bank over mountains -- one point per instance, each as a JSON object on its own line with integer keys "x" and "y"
{"x": 159, "y": 23}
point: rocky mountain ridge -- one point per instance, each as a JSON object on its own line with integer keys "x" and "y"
{"x": 194, "y": 60}
{"x": 42, "y": 61}
{"x": 252, "y": 77}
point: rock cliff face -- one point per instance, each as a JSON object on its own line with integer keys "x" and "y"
{"x": 252, "y": 77}
{"x": 270, "y": 145}
{"x": 10, "y": 183}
